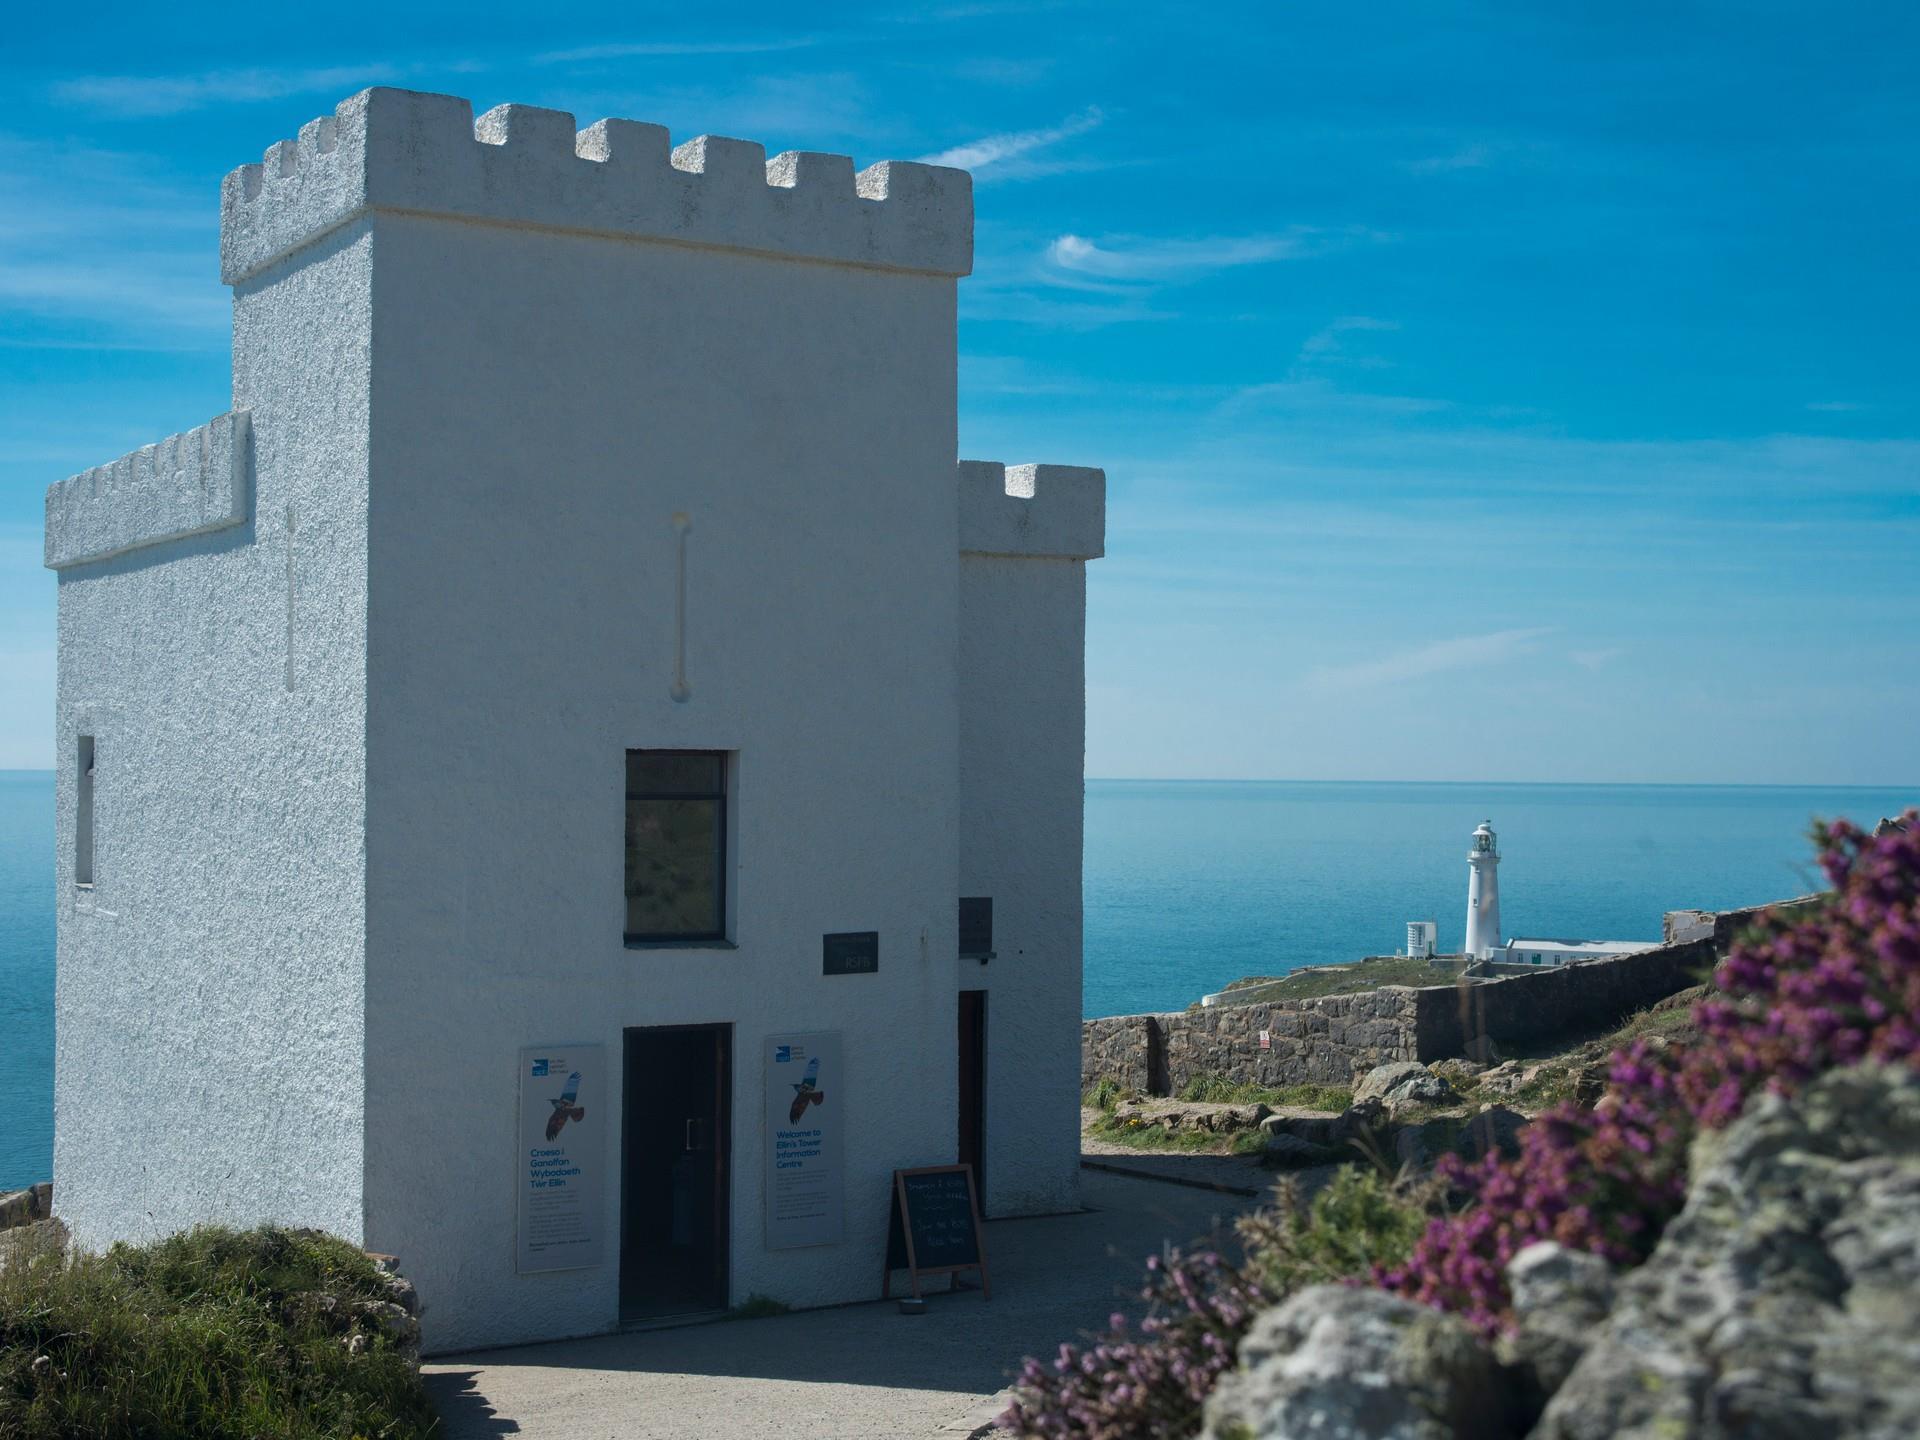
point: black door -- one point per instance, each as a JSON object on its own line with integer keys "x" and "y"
{"x": 973, "y": 1088}
{"x": 673, "y": 1211}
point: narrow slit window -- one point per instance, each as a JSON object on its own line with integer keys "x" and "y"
{"x": 976, "y": 927}
{"x": 83, "y": 816}
{"x": 676, "y": 845}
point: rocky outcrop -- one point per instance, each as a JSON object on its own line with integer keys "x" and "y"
{"x": 1495, "y": 1127}
{"x": 1785, "y": 1299}
{"x": 1560, "y": 1298}
{"x": 1402, "y": 1084}
{"x": 1342, "y": 1364}
{"x": 24, "y": 1207}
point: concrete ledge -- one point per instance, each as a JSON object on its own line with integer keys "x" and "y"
{"x": 188, "y": 484}
{"x": 403, "y": 150}
{"x": 1038, "y": 511}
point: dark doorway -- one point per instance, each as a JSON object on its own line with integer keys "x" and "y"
{"x": 973, "y": 1088}
{"x": 673, "y": 1207}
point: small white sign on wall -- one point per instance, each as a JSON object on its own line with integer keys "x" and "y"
{"x": 563, "y": 1124}
{"x": 805, "y": 1099}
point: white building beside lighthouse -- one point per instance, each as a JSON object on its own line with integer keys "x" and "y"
{"x": 1483, "y": 919}
{"x": 1483, "y": 893}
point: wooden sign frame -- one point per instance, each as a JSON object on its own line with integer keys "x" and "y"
{"x": 903, "y": 1209}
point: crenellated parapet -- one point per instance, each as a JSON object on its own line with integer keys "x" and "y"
{"x": 403, "y": 150}
{"x": 1041, "y": 511}
{"x": 187, "y": 484}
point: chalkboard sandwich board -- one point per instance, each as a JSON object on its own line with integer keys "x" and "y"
{"x": 935, "y": 1227}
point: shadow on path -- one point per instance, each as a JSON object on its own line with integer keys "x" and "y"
{"x": 855, "y": 1370}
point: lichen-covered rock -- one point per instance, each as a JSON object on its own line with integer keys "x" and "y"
{"x": 1342, "y": 1363}
{"x": 1785, "y": 1298}
{"x": 1404, "y": 1082}
{"x": 1196, "y": 1117}
{"x": 16, "y": 1208}
{"x": 1358, "y": 1119}
{"x": 1561, "y": 1299}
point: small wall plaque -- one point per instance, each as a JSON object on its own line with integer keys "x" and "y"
{"x": 854, "y": 953}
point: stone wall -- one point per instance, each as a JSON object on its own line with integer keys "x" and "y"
{"x": 1549, "y": 1002}
{"x": 1332, "y": 1038}
{"x": 1321, "y": 1040}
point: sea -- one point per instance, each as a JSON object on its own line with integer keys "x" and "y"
{"x": 1193, "y": 884}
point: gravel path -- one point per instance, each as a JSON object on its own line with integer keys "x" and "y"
{"x": 853, "y": 1372}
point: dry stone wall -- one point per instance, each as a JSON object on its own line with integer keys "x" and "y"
{"x": 1330, "y": 1039}
{"x": 1324, "y": 1040}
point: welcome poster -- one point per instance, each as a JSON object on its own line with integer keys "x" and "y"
{"x": 563, "y": 1123}
{"x": 806, "y": 1097}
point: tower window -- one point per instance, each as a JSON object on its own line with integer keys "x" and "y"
{"x": 976, "y": 927}
{"x": 83, "y": 815}
{"x": 676, "y": 845}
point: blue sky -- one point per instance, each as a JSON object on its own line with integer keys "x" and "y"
{"x": 1486, "y": 391}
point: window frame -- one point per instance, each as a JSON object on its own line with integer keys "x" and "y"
{"x": 85, "y": 828}
{"x": 722, "y": 800}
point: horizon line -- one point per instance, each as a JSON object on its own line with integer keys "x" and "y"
{"x": 1286, "y": 780}
{"x": 1565, "y": 784}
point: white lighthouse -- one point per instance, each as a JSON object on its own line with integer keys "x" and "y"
{"x": 1483, "y": 894}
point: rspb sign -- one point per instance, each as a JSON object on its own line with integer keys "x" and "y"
{"x": 563, "y": 1118}
{"x": 805, "y": 1098}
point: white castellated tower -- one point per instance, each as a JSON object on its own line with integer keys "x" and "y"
{"x": 557, "y": 456}
{"x": 1483, "y": 894}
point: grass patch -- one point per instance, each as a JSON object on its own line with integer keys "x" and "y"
{"x": 1213, "y": 1089}
{"x": 216, "y": 1333}
{"x": 1346, "y": 980}
{"x": 1558, "y": 1072}
{"x": 1106, "y": 1095}
{"x": 1138, "y": 1134}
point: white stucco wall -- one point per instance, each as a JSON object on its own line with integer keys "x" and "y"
{"x": 1026, "y": 534}
{"x": 544, "y": 404}
{"x": 208, "y": 1031}
{"x": 362, "y": 713}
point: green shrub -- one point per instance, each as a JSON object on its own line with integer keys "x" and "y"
{"x": 215, "y": 1334}
{"x": 759, "y": 1307}
{"x": 1105, "y": 1095}
{"x": 1360, "y": 1220}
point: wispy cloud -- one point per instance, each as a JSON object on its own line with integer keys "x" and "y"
{"x": 141, "y": 95}
{"x": 1001, "y": 70}
{"x": 91, "y": 236}
{"x": 1480, "y": 155}
{"x": 1130, "y": 260}
{"x": 1836, "y": 407}
{"x": 1313, "y": 394}
{"x": 1007, "y": 156}
{"x": 1467, "y": 157}
{"x": 1329, "y": 342}
{"x": 668, "y": 49}
{"x": 1596, "y": 659}
{"x": 1467, "y": 652}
